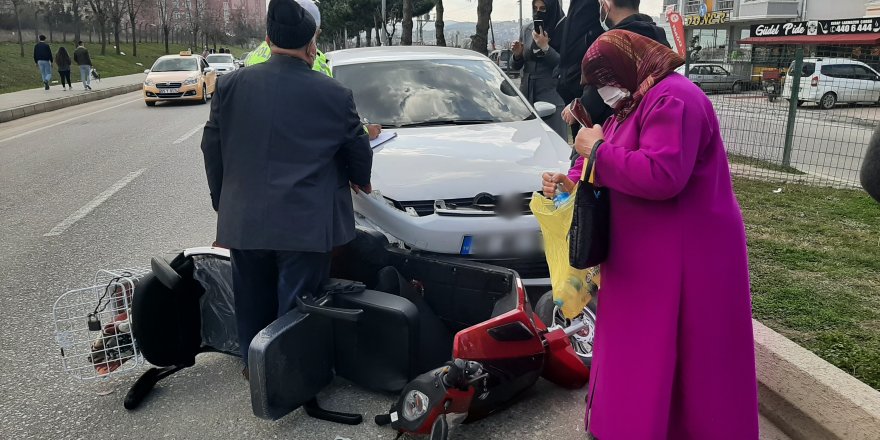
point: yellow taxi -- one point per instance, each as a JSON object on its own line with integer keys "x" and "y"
{"x": 184, "y": 77}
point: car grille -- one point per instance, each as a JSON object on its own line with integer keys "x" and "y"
{"x": 169, "y": 95}
{"x": 168, "y": 85}
{"x": 528, "y": 267}
{"x": 426, "y": 207}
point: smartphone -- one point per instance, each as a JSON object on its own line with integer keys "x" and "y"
{"x": 539, "y": 26}
{"x": 580, "y": 113}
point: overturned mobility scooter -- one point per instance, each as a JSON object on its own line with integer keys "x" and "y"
{"x": 452, "y": 337}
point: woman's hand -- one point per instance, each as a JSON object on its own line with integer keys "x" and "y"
{"x": 568, "y": 116}
{"x": 550, "y": 180}
{"x": 587, "y": 138}
{"x": 542, "y": 40}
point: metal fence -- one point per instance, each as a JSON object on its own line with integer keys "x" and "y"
{"x": 796, "y": 114}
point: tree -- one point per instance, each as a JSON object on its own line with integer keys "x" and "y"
{"x": 406, "y": 38}
{"x": 74, "y": 9}
{"x": 101, "y": 11}
{"x": 195, "y": 11}
{"x": 116, "y": 13}
{"x": 134, "y": 8}
{"x": 16, "y": 7}
{"x": 164, "y": 18}
{"x": 439, "y": 25}
{"x": 480, "y": 41}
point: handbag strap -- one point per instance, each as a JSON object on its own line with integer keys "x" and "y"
{"x": 589, "y": 165}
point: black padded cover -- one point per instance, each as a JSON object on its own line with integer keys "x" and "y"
{"x": 380, "y": 351}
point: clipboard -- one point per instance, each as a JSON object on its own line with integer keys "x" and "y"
{"x": 383, "y": 137}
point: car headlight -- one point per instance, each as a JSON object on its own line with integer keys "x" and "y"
{"x": 415, "y": 405}
{"x": 191, "y": 81}
{"x": 148, "y": 82}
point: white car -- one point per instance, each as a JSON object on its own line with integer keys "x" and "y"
{"x": 223, "y": 63}
{"x": 829, "y": 81}
{"x": 469, "y": 149}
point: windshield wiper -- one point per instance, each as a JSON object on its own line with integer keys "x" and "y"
{"x": 447, "y": 122}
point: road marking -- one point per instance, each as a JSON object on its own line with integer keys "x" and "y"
{"x": 189, "y": 134}
{"x": 66, "y": 121}
{"x": 89, "y": 207}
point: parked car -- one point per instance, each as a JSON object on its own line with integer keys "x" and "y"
{"x": 185, "y": 77}
{"x": 829, "y": 81}
{"x": 223, "y": 62}
{"x": 715, "y": 78}
{"x": 504, "y": 59}
{"x": 469, "y": 152}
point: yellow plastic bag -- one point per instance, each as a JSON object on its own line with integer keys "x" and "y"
{"x": 571, "y": 287}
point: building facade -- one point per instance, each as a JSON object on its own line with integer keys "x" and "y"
{"x": 715, "y": 28}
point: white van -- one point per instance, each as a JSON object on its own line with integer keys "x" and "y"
{"x": 828, "y": 81}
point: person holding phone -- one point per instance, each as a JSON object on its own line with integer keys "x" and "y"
{"x": 539, "y": 60}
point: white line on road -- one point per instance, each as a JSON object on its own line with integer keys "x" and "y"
{"x": 189, "y": 134}
{"x": 89, "y": 207}
{"x": 66, "y": 121}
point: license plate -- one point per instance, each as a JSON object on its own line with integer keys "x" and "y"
{"x": 164, "y": 91}
{"x": 502, "y": 244}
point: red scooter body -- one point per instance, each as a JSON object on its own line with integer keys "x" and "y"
{"x": 494, "y": 361}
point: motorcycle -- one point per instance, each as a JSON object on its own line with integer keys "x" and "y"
{"x": 771, "y": 84}
{"x": 456, "y": 338}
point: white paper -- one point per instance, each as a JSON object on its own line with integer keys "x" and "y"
{"x": 383, "y": 137}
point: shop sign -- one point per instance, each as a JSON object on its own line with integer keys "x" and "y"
{"x": 818, "y": 27}
{"x": 709, "y": 18}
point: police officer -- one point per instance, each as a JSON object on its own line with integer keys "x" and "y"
{"x": 262, "y": 54}
{"x": 283, "y": 193}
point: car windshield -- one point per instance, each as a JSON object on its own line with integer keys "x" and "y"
{"x": 432, "y": 92}
{"x": 222, "y": 59}
{"x": 176, "y": 65}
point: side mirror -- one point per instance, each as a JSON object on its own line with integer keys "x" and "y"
{"x": 545, "y": 109}
{"x": 208, "y": 69}
{"x": 146, "y": 71}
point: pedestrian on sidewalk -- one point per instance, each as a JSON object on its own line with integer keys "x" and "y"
{"x": 43, "y": 60}
{"x": 62, "y": 61}
{"x": 674, "y": 353}
{"x": 84, "y": 61}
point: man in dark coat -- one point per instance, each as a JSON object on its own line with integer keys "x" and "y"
{"x": 283, "y": 149}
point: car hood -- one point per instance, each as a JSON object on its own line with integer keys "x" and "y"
{"x": 452, "y": 161}
{"x": 170, "y": 76}
{"x": 223, "y": 65}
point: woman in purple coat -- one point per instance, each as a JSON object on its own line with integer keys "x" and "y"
{"x": 674, "y": 355}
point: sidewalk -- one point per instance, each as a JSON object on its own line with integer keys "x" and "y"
{"x": 30, "y": 102}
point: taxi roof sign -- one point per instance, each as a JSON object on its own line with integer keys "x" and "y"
{"x": 185, "y": 53}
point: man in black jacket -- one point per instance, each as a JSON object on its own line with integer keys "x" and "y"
{"x": 283, "y": 147}
{"x": 43, "y": 60}
{"x": 608, "y": 14}
{"x": 84, "y": 61}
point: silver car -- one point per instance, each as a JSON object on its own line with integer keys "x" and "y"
{"x": 715, "y": 78}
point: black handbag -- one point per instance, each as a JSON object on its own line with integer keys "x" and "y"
{"x": 590, "y": 222}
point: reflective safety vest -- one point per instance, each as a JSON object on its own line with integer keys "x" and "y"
{"x": 263, "y": 53}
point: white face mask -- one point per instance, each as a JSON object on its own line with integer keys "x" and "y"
{"x": 612, "y": 95}
{"x": 604, "y": 10}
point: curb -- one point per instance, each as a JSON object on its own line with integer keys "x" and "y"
{"x": 807, "y": 397}
{"x": 69, "y": 101}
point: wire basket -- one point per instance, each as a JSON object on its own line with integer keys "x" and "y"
{"x": 92, "y": 326}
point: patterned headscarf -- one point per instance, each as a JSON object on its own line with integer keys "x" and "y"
{"x": 629, "y": 61}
